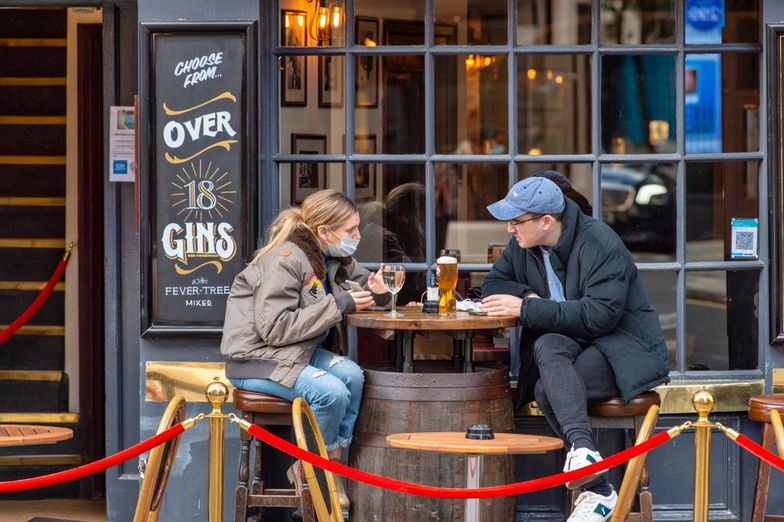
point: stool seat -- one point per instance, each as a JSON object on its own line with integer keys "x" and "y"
{"x": 250, "y": 401}
{"x": 761, "y": 406}
{"x": 615, "y": 407}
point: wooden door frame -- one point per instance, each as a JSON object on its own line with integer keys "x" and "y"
{"x": 90, "y": 243}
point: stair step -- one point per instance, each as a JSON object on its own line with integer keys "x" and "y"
{"x": 34, "y": 395}
{"x": 33, "y": 352}
{"x": 64, "y": 490}
{"x": 31, "y": 375}
{"x": 39, "y": 418}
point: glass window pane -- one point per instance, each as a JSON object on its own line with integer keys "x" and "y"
{"x": 634, "y": 23}
{"x": 475, "y": 22}
{"x": 312, "y": 97}
{"x": 541, "y": 22}
{"x": 300, "y": 179}
{"x": 715, "y": 194}
{"x": 721, "y": 103}
{"x": 662, "y": 289}
{"x": 638, "y": 104}
{"x": 471, "y": 104}
{"x": 463, "y": 223}
{"x": 401, "y": 22}
{"x": 554, "y": 104}
{"x": 578, "y": 174}
{"x": 317, "y": 24}
{"x": 391, "y": 198}
{"x": 638, "y": 202}
{"x": 722, "y": 22}
{"x": 721, "y": 320}
{"x": 390, "y": 101}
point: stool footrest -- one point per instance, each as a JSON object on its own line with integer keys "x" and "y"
{"x": 275, "y": 498}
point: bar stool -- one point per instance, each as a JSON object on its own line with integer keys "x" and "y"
{"x": 759, "y": 410}
{"x": 263, "y": 410}
{"x": 613, "y": 414}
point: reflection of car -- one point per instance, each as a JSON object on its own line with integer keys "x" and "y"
{"x": 639, "y": 204}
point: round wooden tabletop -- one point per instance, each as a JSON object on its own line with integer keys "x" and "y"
{"x": 24, "y": 434}
{"x": 414, "y": 319}
{"x": 456, "y": 442}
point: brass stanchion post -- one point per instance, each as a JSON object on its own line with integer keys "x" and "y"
{"x": 703, "y": 403}
{"x": 216, "y": 393}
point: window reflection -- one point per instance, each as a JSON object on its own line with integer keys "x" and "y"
{"x": 662, "y": 290}
{"x": 543, "y": 22}
{"x": 463, "y": 223}
{"x": 638, "y": 202}
{"x": 554, "y": 104}
{"x": 578, "y": 175}
{"x": 471, "y": 104}
{"x": 391, "y": 199}
{"x": 474, "y": 22}
{"x": 715, "y": 194}
{"x": 721, "y": 320}
{"x": 390, "y": 101}
{"x": 634, "y": 23}
{"x": 300, "y": 179}
{"x": 405, "y": 18}
{"x": 638, "y": 104}
{"x": 721, "y": 106}
{"x": 722, "y": 22}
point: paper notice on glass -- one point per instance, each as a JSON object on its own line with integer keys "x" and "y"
{"x": 744, "y": 238}
{"x": 122, "y": 144}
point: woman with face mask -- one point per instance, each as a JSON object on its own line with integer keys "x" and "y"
{"x": 282, "y": 333}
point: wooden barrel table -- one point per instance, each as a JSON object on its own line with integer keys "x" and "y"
{"x": 396, "y": 402}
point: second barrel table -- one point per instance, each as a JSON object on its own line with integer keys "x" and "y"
{"x": 412, "y": 320}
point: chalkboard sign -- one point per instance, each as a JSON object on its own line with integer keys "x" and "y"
{"x": 199, "y": 156}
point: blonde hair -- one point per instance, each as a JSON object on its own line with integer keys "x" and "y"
{"x": 329, "y": 208}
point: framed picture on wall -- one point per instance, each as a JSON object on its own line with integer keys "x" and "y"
{"x": 366, "y": 67}
{"x": 307, "y": 177}
{"x": 365, "y": 173}
{"x": 294, "y": 69}
{"x": 330, "y": 81}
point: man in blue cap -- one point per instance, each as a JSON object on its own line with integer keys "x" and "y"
{"x": 589, "y": 331}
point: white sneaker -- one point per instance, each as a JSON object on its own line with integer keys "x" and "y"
{"x": 579, "y": 458}
{"x": 591, "y": 507}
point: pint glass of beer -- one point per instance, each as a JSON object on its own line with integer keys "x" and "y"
{"x": 446, "y": 278}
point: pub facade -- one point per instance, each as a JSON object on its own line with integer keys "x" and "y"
{"x": 664, "y": 114}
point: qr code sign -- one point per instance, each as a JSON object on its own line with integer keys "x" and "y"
{"x": 744, "y": 240}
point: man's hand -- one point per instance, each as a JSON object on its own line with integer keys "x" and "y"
{"x": 376, "y": 282}
{"x": 503, "y": 305}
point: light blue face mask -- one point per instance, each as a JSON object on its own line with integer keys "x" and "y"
{"x": 346, "y": 248}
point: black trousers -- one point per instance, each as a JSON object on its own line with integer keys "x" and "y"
{"x": 570, "y": 376}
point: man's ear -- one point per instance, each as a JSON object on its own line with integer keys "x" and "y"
{"x": 547, "y": 221}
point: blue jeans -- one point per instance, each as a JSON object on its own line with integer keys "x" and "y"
{"x": 331, "y": 385}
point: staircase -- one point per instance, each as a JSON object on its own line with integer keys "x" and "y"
{"x": 33, "y": 384}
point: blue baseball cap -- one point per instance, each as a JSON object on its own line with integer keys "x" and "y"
{"x": 536, "y": 195}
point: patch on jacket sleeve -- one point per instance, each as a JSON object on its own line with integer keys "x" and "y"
{"x": 285, "y": 252}
{"x": 313, "y": 287}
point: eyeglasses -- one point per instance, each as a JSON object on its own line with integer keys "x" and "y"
{"x": 515, "y": 223}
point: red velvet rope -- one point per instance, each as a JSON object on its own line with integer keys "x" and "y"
{"x": 35, "y": 305}
{"x": 439, "y": 492}
{"x": 92, "y": 467}
{"x": 754, "y": 448}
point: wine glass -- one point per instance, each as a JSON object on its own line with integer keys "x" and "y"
{"x": 394, "y": 276}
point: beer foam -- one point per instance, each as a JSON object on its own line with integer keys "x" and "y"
{"x": 446, "y": 260}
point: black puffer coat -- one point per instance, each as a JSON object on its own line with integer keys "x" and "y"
{"x": 606, "y": 304}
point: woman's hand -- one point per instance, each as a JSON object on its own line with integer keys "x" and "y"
{"x": 362, "y": 299}
{"x": 376, "y": 281}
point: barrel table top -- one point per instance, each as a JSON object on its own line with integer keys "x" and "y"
{"x": 414, "y": 319}
{"x": 26, "y": 434}
{"x": 456, "y": 442}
